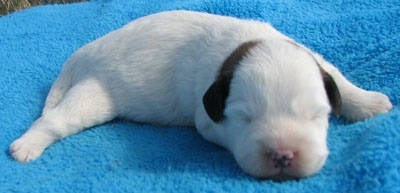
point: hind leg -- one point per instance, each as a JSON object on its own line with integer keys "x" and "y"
{"x": 357, "y": 103}
{"x": 84, "y": 105}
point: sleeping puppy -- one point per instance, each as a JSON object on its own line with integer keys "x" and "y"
{"x": 242, "y": 84}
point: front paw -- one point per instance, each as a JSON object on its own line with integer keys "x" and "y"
{"x": 23, "y": 150}
{"x": 365, "y": 105}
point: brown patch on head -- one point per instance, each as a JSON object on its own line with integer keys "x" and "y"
{"x": 332, "y": 91}
{"x": 215, "y": 97}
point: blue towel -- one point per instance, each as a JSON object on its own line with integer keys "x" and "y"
{"x": 361, "y": 37}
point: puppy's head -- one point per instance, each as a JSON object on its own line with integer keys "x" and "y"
{"x": 269, "y": 105}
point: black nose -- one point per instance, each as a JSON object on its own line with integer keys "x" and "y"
{"x": 282, "y": 159}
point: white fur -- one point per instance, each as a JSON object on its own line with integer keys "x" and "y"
{"x": 156, "y": 69}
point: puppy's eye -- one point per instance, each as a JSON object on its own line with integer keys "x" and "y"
{"x": 321, "y": 113}
{"x": 239, "y": 114}
{"x": 317, "y": 117}
{"x": 243, "y": 117}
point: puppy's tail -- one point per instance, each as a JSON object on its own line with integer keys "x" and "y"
{"x": 60, "y": 87}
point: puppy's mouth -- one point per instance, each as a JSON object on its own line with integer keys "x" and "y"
{"x": 279, "y": 167}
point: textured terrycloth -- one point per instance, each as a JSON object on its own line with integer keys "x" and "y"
{"x": 361, "y": 37}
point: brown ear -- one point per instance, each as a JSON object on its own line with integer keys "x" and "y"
{"x": 215, "y": 97}
{"x": 214, "y": 100}
{"x": 332, "y": 91}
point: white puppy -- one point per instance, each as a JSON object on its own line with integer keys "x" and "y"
{"x": 243, "y": 84}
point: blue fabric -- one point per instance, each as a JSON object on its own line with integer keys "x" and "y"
{"x": 361, "y": 37}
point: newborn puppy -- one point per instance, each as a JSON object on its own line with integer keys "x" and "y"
{"x": 242, "y": 84}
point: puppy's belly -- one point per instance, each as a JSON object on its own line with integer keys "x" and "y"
{"x": 151, "y": 105}
{"x": 154, "y": 96}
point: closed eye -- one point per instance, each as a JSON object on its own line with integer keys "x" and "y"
{"x": 239, "y": 113}
{"x": 321, "y": 112}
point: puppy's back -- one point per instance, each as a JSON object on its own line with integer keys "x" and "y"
{"x": 157, "y": 68}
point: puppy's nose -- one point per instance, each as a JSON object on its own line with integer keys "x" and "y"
{"x": 282, "y": 159}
